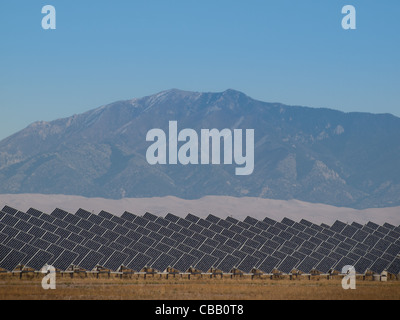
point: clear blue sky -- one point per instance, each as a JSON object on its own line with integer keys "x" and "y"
{"x": 289, "y": 51}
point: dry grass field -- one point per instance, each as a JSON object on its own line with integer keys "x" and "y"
{"x": 80, "y": 288}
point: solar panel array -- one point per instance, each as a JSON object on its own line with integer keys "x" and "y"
{"x": 87, "y": 241}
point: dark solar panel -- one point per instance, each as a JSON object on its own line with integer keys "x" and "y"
{"x": 213, "y": 219}
{"x": 228, "y": 263}
{"x": 115, "y": 261}
{"x": 9, "y": 258}
{"x": 40, "y": 259}
{"x": 163, "y": 262}
{"x": 150, "y": 216}
{"x": 307, "y": 265}
{"x": 248, "y": 264}
{"x": 139, "y": 262}
{"x": 372, "y": 225}
{"x": 345, "y": 261}
{"x": 288, "y": 264}
{"x": 380, "y": 265}
{"x": 269, "y": 265}
{"x": 83, "y": 214}
{"x": 128, "y": 216}
{"x": 206, "y": 263}
{"x": 326, "y": 265}
{"x": 184, "y": 263}
{"x": 338, "y": 226}
{"x": 394, "y": 267}
{"x": 105, "y": 215}
{"x": 224, "y": 224}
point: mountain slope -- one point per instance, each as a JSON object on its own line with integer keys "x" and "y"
{"x": 314, "y": 155}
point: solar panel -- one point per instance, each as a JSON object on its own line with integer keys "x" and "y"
{"x": 110, "y": 235}
{"x": 204, "y": 223}
{"x": 95, "y": 219}
{"x": 64, "y": 260}
{"x": 328, "y": 232}
{"x": 307, "y": 265}
{"x": 371, "y": 241}
{"x": 50, "y": 237}
{"x": 372, "y": 225}
{"x": 29, "y": 252}
{"x": 163, "y": 262}
{"x": 105, "y": 215}
{"x": 353, "y": 256}
{"x": 251, "y": 221}
{"x": 15, "y": 244}
{"x": 23, "y": 226}
{"x": 216, "y": 228}
{"x": 326, "y": 265}
{"x": 243, "y": 225}
{"x": 184, "y": 263}
{"x": 380, "y": 265}
{"x": 269, "y": 221}
{"x": 82, "y": 253}
{"x": 67, "y": 244}
{"x": 288, "y": 265}
{"x": 286, "y": 250}
{"x": 310, "y": 232}
{"x": 22, "y": 216}
{"x": 59, "y": 214}
{"x": 288, "y": 222}
{"x": 9, "y": 210}
{"x": 345, "y": 261}
{"x": 393, "y": 249}
{"x": 9, "y": 220}
{"x": 115, "y": 261}
{"x": 41, "y": 244}
{"x": 139, "y": 262}
{"x": 262, "y": 226}
{"x": 228, "y": 263}
{"x": 172, "y": 218}
{"x": 91, "y": 260}
{"x": 206, "y": 263}
{"x": 349, "y": 231}
{"x": 394, "y": 267}
{"x": 162, "y": 247}
{"x": 9, "y": 258}
{"x": 224, "y": 224}
{"x": 108, "y": 224}
{"x": 187, "y": 232}
{"x": 269, "y": 265}
{"x": 323, "y": 251}
{"x": 196, "y": 228}
{"x": 338, "y": 226}
{"x": 213, "y": 219}
{"x": 71, "y": 219}
{"x": 316, "y": 255}
{"x": 83, "y": 214}
{"x": 128, "y": 216}
{"x": 24, "y": 237}
{"x": 383, "y": 230}
{"x": 389, "y": 226}
{"x": 248, "y": 250}
{"x": 40, "y": 259}
{"x": 248, "y": 264}
{"x": 240, "y": 238}
{"x": 199, "y": 237}
{"x": 118, "y": 220}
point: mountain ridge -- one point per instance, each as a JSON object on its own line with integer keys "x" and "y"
{"x": 314, "y": 155}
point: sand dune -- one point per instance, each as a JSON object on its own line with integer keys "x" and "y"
{"x": 217, "y": 205}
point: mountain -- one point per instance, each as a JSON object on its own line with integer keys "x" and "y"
{"x": 313, "y": 155}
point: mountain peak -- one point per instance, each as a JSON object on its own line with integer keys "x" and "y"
{"x": 313, "y": 155}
